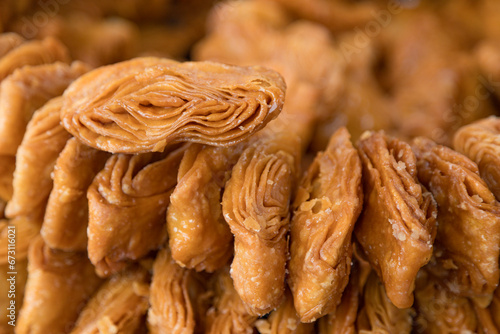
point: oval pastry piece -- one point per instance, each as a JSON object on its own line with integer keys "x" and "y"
{"x": 145, "y": 104}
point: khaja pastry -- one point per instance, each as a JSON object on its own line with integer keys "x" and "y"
{"x": 129, "y": 192}
{"x": 33, "y": 53}
{"x": 378, "y": 314}
{"x": 467, "y": 213}
{"x": 35, "y": 159}
{"x": 52, "y": 274}
{"x": 142, "y": 105}
{"x": 21, "y": 94}
{"x": 327, "y": 204}
{"x": 249, "y": 166}
{"x": 200, "y": 238}
{"x": 255, "y": 204}
{"x": 480, "y": 142}
{"x": 397, "y": 227}
{"x": 74, "y": 171}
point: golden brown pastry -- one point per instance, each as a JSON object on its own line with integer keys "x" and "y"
{"x": 13, "y": 8}
{"x": 432, "y": 95}
{"x": 12, "y": 285}
{"x": 8, "y": 42}
{"x": 327, "y": 204}
{"x": 119, "y": 306}
{"x": 21, "y": 94}
{"x": 463, "y": 21}
{"x": 440, "y": 310}
{"x": 397, "y": 227}
{"x": 137, "y": 10}
{"x": 7, "y": 167}
{"x": 128, "y": 201}
{"x": 489, "y": 12}
{"x": 480, "y": 142}
{"x": 199, "y": 237}
{"x": 144, "y": 104}
{"x": 487, "y": 54}
{"x": 26, "y": 229}
{"x": 66, "y": 215}
{"x": 486, "y": 324}
{"x": 255, "y": 204}
{"x": 35, "y": 159}
{"x": 378, "y": 314}
{"x": 13, "y": 265}
{"x": 260, "y": 32}
{"x": 228, "y": 313}
{"x": 469, "y": 221}
{"x": 13, "y": 262}
{"x": 239, "y": 32}
{"x": 97, "y": 41}
{"x": 173, "y": 298}
{"x": 284, "y": 320}
{"x": 257, "y": 32}
{"x": 343, "y": 320}
{"x": 334, "y": 14}
{"x": 58, "y": 286}
{"x": 33, "y": 53}
{"x": 363, "y": 105}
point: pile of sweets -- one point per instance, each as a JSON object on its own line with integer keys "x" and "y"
{"x": 249, "y": 166}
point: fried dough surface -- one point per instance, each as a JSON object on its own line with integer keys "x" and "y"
{"x": 21, "y": 94}
{"x": 145, "y": 104}
{"x": 327, "y": 204}
{"x": 128, "y": 201}
{"x": 397, "y": 227}
{"x": 468, "y": 234}
{"x": 119, "y": 306}
{"x": 33, "y": 53}
{"x": 378, "y": 314}
{"x": 480, "y": 142}
{"x": 256, "y": 205}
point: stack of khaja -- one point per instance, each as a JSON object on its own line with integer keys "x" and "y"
{"x": 32, "y": 75}
{"x": 293, "y": 171}
{"x": 115, "y": 183}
